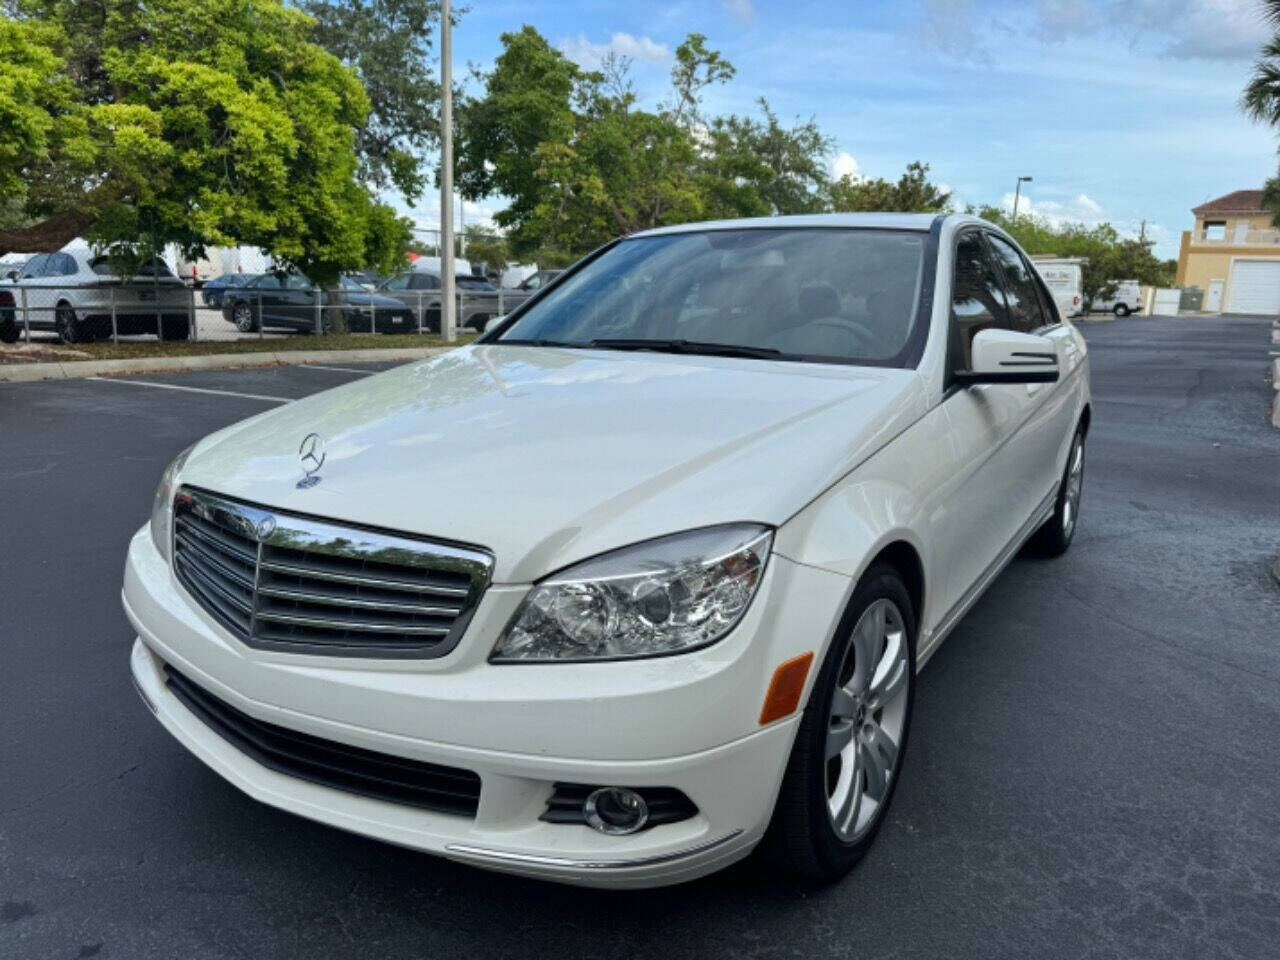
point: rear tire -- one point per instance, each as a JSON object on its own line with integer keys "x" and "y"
{"x": 848, "y": 752}
{"x": 1120, "y": 310}
{"x": 67, "y": 325}
{"x": 1053, "y": 539}
{"x": 8, "y": 330}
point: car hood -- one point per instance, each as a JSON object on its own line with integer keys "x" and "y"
{"x": 547, "y": 456}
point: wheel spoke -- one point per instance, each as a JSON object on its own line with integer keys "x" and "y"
{"x": 838, "y": 737}
{"x": 891, "y": 671}
{"x": 866, "y": 646}
{"x": 878, "y": 754}
{"x": 845, "y": 818}
{"x": 844, "y": 705}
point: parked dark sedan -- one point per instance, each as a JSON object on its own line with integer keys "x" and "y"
{"x": 214, "y": 291}
{"x": 290, "y": 301}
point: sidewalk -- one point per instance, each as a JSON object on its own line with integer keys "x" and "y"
{"x": 79, "y": 369}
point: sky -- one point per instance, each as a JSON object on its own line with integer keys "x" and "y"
{"x": 1120, "y": 112}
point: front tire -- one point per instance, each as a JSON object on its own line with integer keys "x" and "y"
{"x": 1120, "y": 310}
{"x": 848, "y": 752}
{"x": 242, "y": 317}
{"x": 1053, "y": 539}
{"x": 8, "y": 330}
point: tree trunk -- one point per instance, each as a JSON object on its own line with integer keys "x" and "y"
{"x": 55, "y": 232}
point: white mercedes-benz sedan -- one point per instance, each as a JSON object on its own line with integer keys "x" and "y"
{"x": 642, "y": 579}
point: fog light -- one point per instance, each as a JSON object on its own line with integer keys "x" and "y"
{"x": 615, "y": 810}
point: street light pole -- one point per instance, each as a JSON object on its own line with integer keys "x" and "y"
{"x": 1017, "y": 193}
{"x": 448, "y": 304}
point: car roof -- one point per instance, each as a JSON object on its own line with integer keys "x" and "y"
{"x": 882, "y": 221}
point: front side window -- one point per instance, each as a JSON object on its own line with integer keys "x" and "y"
{"x": 426, "y": 281}
{"x": 35, "y": 266}
{"x": 400, "y": 282}
{"x": 831, "y": 295}
{"x": 1020, "y": 287}
{"x": 977, "y": 299}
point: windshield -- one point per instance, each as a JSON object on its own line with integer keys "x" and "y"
{"x": 832, "y": 295}
{"x": 103, "y": 267}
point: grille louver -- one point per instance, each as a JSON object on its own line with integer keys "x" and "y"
{"x": 285, "y": 582}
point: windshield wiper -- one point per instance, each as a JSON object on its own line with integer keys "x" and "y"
{"x": 695, "y": 347}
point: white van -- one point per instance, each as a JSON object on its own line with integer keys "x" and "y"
{"x": 1064, "y": 276}
{"x": 1127, "y": 299}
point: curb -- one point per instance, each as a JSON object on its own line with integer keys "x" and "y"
{"x": 1275, "y": 373}
{"x": 81, "y": 369}
{"x": 1275, "y": 412}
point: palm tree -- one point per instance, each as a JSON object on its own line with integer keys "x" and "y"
{"x": 1261, "y": 97}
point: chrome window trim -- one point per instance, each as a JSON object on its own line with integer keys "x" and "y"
{"x": 314, "y": 535}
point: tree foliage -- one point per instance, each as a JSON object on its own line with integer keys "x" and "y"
{"x": 388, "y": 43}
{"x": 581, "y": 161}
{"x": 206, "y": 123}
{"x": 913, "y": 193}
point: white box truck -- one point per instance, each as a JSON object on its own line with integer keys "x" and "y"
{"x": 1064, "y": 276}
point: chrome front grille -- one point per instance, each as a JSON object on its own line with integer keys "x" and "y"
{"x": 283, "y": 582}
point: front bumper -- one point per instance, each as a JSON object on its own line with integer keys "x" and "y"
{"x": 688, "y": 722}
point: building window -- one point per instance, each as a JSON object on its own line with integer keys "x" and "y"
{"x": 1215, "y": 229}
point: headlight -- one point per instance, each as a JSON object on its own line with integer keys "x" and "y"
{"x": 659, "y": 597}
{"x": 162, "y": 507}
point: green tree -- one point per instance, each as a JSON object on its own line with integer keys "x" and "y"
{"x": 578, "y": 162}
{"x": 206, "y": 123}
{"x": 913, "y": 193}
{"x": 1261, "y": 97}
{"x": 752, "y": 168}
{"x": 388, "y": 43}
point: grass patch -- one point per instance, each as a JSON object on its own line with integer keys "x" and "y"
{"x": 133, "y": 349}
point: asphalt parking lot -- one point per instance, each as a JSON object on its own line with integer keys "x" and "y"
{"x": 1094, "y": 768}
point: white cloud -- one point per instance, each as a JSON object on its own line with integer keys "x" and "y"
{"x": 744, "y": 10}
{"x": 588, "y": 54}
{"x": 845, "y": 165}
{"x": 1181, "y": 29}
{"x": 1079, "y": 209}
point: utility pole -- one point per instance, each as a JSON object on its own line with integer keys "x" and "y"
{"x": 1142, "y": 234}
{"x": 1017, "y": 195}
{"x": 448, "y": 302}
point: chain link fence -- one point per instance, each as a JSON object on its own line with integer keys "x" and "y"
{"x": 269, "y": 306}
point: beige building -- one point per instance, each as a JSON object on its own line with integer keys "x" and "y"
{"x": 1233, "y": 255}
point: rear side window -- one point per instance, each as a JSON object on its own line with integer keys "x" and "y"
{"x": 1025, "y": 312}
{"x": 425, "y": 281}
{"x": 977, "y": 299}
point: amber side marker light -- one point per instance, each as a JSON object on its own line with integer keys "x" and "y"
{"x": 785, "y": 688}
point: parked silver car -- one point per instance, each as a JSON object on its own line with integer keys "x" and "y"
{"x": 78, "y": 294}
{"x": 479, "y": 301}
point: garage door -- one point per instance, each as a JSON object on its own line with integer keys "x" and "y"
{"x": 1255, "y": 287}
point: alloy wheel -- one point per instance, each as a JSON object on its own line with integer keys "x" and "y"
{"x": 243, "y": 317}
{"x": 867, "y": 717}
{"x": 1075, "y": 483}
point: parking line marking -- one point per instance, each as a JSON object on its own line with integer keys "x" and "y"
{"x": 174, "y": 386}
{"x": 319, "y": 366}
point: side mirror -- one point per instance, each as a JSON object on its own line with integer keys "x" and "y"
{"x": 1007, "y": 356}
